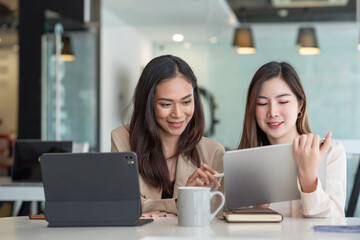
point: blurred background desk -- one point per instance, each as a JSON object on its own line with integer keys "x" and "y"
{"x": 18, "y": 194}
{"x": 166, "y": 228}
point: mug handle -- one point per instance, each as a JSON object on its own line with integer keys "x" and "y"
{"x": 212, "y": 194}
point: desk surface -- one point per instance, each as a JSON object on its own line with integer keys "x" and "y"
{"x": 20, "y": 193}
{"x": 166, "y": 228}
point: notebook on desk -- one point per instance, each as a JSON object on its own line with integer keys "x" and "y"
{"x": 262, "y": 175}
{"x": 252, "y": 215}
{"x": 92, "y": 189}
{"x": 25, "y": 167}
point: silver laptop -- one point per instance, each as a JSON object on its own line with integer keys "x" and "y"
{"x": 262, "y": 175}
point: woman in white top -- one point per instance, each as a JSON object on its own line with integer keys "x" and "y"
{"x": 275, "y": 114}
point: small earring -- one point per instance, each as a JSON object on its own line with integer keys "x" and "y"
{"x": 300, "y": 114}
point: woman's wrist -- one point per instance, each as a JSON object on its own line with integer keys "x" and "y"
{"x": 308, "y": 184}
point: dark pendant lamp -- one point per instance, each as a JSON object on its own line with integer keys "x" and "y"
{"x": 67, "y": 53}
{"x": 244, "y": 41}
{"x": 307, "y": 41}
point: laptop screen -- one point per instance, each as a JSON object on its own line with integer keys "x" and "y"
{"x": 26, "y": 165}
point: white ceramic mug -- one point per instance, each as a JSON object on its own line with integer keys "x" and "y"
{"x": 194, "y": 206}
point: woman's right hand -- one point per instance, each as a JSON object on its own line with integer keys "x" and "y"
{"x": 308, "y": 153}
{"x": 202, "y": 177}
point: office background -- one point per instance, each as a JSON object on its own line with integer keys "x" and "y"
{"x": 133, "y": 32}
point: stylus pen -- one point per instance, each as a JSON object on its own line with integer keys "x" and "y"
{"x": 218, "y": 175}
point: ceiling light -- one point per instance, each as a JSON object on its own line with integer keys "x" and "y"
{"x": 187, "y": 45}
{"x": 359, "y": 46}
{"x": 283, "y": 13}
{"x": 232, "y": 21}
{"x": 213, "y": 39}
{"x": 67, "y": 53}
{"x": 307, "y": 41}
{"x": 178, "y": 37}
{"x": 242, "y": 50}
{"x": 244, "y": 41}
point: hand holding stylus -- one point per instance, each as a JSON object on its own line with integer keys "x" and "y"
{"x": 202, "y": 176}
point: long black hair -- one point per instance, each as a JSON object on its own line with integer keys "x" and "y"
{"x": 144, "y": 134}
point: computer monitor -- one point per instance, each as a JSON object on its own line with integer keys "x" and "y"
{"x": 26, "y": 157}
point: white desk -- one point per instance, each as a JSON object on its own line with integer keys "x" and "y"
{"x": 21, "y": 193}
{"x": 166, "y": 228}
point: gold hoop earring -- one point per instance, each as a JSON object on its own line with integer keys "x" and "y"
{"x": 300, "y": 114}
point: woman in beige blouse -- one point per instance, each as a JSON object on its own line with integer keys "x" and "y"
{"x": 166, "y": 132}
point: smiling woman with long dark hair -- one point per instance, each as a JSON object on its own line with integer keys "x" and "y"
{"x": 275, "y": 114}
{"x": 166, "y": 132}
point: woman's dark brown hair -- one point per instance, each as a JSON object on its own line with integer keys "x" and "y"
{"x": 144, "y": 134}
{"x": 252, "y": 135}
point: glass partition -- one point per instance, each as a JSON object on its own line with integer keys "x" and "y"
{"x": 70, "y": 88}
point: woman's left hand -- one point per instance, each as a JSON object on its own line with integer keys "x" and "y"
{"x": 308, "y": 153}
{"x": 157, "y": 214}
{"x": 202, "y": 177}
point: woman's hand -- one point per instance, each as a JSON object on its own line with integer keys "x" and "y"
{"x": 202, "y": 176}
{"x": 267, "y": 205}
{"x": 308, "y": 153}
{"x": 156, "y": 214}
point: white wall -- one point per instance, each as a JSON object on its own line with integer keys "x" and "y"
{"x": 124, "y": 53}
{"x": 8, "y": 90}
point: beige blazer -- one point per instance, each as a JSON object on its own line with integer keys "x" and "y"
{"x": 210, "y": 153}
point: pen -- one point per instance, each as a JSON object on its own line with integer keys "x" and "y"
{"x": 218, "y": 175}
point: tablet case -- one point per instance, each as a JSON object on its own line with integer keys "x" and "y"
{"x": 91, "y": 189}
